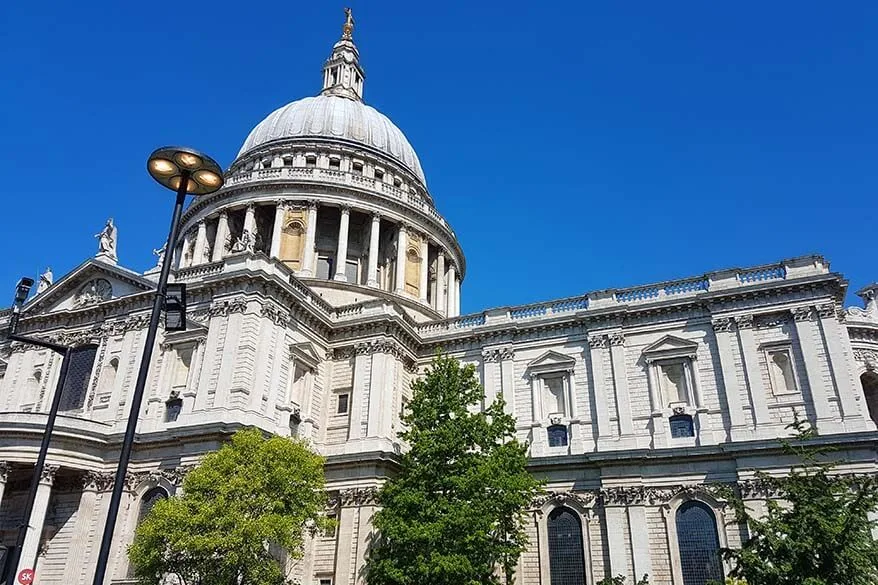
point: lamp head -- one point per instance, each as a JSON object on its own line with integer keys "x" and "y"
{"x": 22, "y": 289}
{"x": 171, "y": 165}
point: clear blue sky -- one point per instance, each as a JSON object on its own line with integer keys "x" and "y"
{"x": 573, "y": 146}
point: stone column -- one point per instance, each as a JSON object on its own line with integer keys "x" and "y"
{"x": 277, "y": 230}
{"x": 722, "y": 330}
{"x": 456, "y": 295}
{"x": 640, "y": 547}
{"x": 187, "y": 245}
{"x": 620, "y": 383}
{"x": 451, "y": 301}
{"x": 4, "y": 475}
{"x": 37, "y": 519}
{"x": 222, "y": 234}
{"x": 374, "y": 235}
{"x": 250, "y": 227}
{"x": 341, "y": 256}
{"x": 425, "y": 269}
{"x": 440, "y": 282}
{"x": 401, "y": 242}
{"x": 310, "y": 238}
{"x": 200, "y": 244}
{"x": 616, "y": 530}
{"x": 805, "y": 333}
{"x": 507, "y": 379}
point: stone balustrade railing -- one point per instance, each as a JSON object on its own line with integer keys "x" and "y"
{"x": 654, "y": 293}
{"x": 320, "y": 175}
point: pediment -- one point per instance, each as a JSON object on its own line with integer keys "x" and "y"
{"x": 90, "y": 283}
{"x": 305, "y": 354}
{"x": 551, "y": 361}
{"x": 671, "y": 346}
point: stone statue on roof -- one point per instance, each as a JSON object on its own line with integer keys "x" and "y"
{"x": 107, "y": 239}
{"x": 46, "y": 279}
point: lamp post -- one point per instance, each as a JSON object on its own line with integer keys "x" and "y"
{"x": 185, "y": 171}
{"x": 14, "y": 560}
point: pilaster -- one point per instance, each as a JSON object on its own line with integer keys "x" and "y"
{"x": 597, "y": 345}
{"x": 841, "y": 365}
{"x": 802, "y": 316}
{"x": 722, "y": 330}
{"x": 750, "y": 357}
{"x": 620, "y": 383}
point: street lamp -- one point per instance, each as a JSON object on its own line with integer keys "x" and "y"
{"x": 185, "y": 171}
{"x": 22, "y": 289}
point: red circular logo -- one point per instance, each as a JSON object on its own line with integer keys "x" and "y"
{"x": 26, "y": 576}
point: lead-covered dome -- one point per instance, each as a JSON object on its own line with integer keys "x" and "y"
{"x": 340, "y": 118}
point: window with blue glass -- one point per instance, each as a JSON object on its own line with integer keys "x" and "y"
{"x": 700, "y": 560}
{"x": 682, "y": 426}
{"x": 557, "y": 436}
{"x": 81, "y": 362}
{"x": 566, "y": 554}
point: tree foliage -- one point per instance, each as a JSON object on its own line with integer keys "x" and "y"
{"x": 454, "y": 514}
{"x": 816, "y": 532}
{"x": 243, "y": 512}
{"x": 620, "y": 580}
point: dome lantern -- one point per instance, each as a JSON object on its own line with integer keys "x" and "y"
{"x": 342, "y": 74}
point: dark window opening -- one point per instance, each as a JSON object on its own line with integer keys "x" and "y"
{"x": 334, "y": 164}
{"x": 379, "y": 174}
{"x": 566, "y": 555}
{"x": 699, "y": 544}
{"x": 557, "y": 436}
{"x": 343, "y": 400}
{"x": 358, "y": 168}
{"x": 149, "y": 500}
{"x": 310, "y": 161}
{"x": 173, "y": 407}
{"x": 869, "y": 380}
{"x": 682, "y": 426}
{"x": 76, "y": 381}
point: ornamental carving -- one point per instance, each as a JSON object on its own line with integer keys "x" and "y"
{"x": 225, "y": 308}
{"x": 617, "y": 339}
{"x": 583, "y": 499}
{"x": 744, "y": 321}
{"x": 722, "y": 325}
{"x": 4, "y": 471}
{"x": 47, "y": 476}
{"x": 96, "y": 481}
{"x": 772, "y": 319}
{"x": 826, "y": 311}
{"x": 93, "y": 292}
{"x": 597, "y": 341}
{"x": 275, "y": 314}
{"x": 353, "y": 497}
{"x": 497, "y": 354}
{"x": 802, "y": 313}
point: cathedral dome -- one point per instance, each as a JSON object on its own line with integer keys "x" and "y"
{"x": 339, "y": 118}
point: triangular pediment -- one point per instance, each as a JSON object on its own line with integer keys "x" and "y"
{"x": 671, "y": 345}
{"x": 90, "y": 283}
{"x": 550, "y": 361}
{"x": 305, "y": 354}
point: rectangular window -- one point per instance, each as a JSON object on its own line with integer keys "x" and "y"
{"x": 379, "y": 174}
{"x": 334, "y": 164}
{"x": 75, "y": 385}
{"x": 326, "y": 581}
{"x": 324, "y": 267}
{"x": 343, "y": 400}
{"x": 310, "y": 162}
{"x": 681, "y": 426}
{"x": 780, "y": 365}
{"x": 358, "y": 168}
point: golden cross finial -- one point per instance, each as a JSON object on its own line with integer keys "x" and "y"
{"x": 348, "y": 26}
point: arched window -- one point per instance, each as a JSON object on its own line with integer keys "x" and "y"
{"x": 699, "y": 544}
{"x": 149, "y": 500}
{"x": 82, "y": 360}
{"x": 566, "y": 555}
{"x": 870, "y": 390}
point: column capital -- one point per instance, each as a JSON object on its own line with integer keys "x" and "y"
{"x": 202, "y": 223}
{"x": 4, "y": 471}
{"x": 722, "y": 324}
{"x": 403, "y": 227}
{"x": 345, "y": 208}
{"x": 826, "y": 310}
{"x": 744, "y": 321}
{"x": 96, "y": 481}
{"x": 312, "y": 204}
{"x": 47, "y": 477}
{"x": 224, "y": 213}
{"x": 802, "y": 313}
{"x": 376, "y": 215}
{"x": 617, "y": 338}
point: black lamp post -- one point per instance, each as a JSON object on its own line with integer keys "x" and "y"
{"x": 185, "y": 171}
{"x": 21, "y": 291}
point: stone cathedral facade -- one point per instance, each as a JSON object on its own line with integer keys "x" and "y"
{"x": 322, "y": 280}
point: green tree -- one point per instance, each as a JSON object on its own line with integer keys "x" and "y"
{"x": 816, "y": 530}
{"x": 454, "y": 513}
{"x": 243, "y": 511}
{"x": 620, "y": 580}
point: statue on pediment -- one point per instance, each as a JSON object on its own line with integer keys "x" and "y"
{"x": 107, "y": 239}
{"x": 46, "y": 279}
